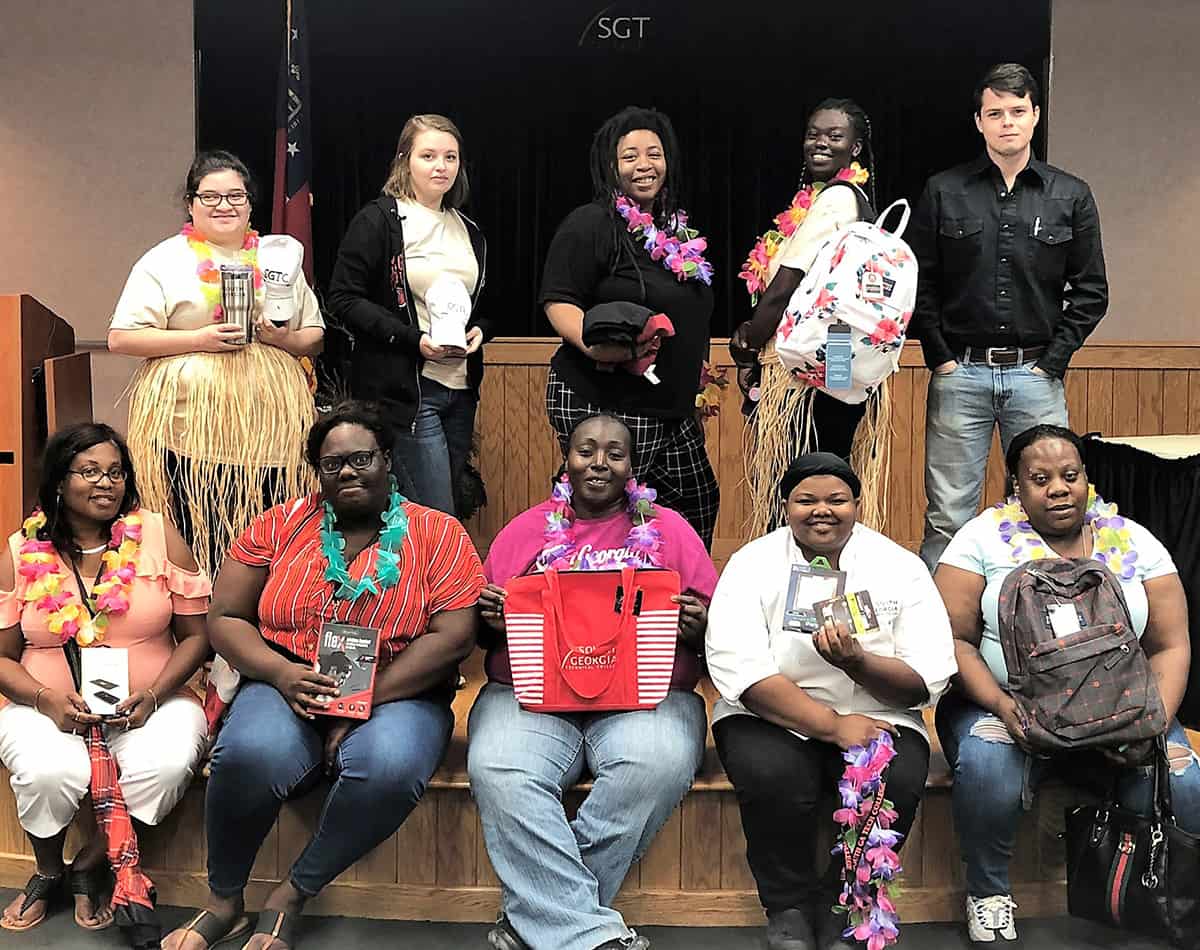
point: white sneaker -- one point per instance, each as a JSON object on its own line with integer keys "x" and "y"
{"x": 990, "y": 919}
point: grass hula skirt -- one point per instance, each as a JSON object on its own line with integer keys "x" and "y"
{"x": 781, "y": 428}
{"x": 247, "y": 415}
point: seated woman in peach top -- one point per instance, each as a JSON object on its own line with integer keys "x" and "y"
{"x": 157, "y": 612}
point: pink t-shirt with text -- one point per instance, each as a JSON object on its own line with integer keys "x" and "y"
{"x": 517, "y": 546}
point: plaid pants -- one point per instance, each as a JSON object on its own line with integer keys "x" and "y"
{"x": 668, "y": 454}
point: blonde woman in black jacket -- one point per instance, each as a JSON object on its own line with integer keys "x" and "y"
{"x": 411, "y": 240}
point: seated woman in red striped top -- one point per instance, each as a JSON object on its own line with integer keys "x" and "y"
{"x": 356, "y": 553}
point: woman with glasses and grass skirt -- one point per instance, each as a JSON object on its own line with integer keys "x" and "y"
{"x": 355, "y": 553}
{"x": 219, "y": 408}
{"x": 92, "y": 568}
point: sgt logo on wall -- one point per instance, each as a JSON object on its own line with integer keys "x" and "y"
{"x": 617, "y": 26}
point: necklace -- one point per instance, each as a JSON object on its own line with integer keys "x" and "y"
{"x": 96, "y": 550}
{"x": 678, "y": 247}
{"x": 387, "y": 555}
{"x": 644, "y": 542}
{"x": 42, "y": 568}
{"x": 757, "y": 269}
{"x": 210, "y": 274}
{"x": 866, "y": 843}
{"x": 1112, "y": 544}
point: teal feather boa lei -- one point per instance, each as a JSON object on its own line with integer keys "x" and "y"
{"x": 387, "y": 557}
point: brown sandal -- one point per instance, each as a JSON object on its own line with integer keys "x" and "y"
{"x": 94, "y": 883}
{"x": 279, "y": 925}
{"x": 39, "y": 888}
{"x": 213, "y": 931}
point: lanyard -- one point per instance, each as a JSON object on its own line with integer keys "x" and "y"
{"x": 84, "y": 594}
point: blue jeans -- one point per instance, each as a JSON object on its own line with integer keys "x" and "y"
{"x": 994, "y": 781}
{"x": 429, "y": 458}
{"x": 964, "y": 407}
{"x": 560, "y": 877}
{"x": 266, "y": 754}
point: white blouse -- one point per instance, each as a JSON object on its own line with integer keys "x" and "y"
{"x": 747, "y": 642}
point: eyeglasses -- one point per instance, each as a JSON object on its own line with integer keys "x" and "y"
{"x": 359, "y": 461}
{"x": 211, "y": 199}
{"x": 93, "y": 475}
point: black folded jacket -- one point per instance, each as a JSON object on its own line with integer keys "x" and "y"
{"x": 615, "y": 322}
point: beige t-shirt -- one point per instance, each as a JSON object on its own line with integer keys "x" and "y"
{"x": 437, "y": 243}
{"x": 164, "y": 293}
{"x": 833, "y": 210}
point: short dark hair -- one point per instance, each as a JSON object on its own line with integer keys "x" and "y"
{"x": 349, "y": 412}
{"x": 217, "y": 160}
{"x": 1023, "y": 440}
{"x": 61, "y": 449}
{"x": 607, "y": 417}
{"x": 1007, "y": 77}
{"x": 603, "y": 158}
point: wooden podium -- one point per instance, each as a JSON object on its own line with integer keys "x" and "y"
{"x": 46, "y": 385}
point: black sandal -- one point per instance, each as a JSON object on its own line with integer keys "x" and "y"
{"x": 94, "y": 883}
{"x": 213, "y": 931}
{"x": 278, "y": 924}
{"x": 39, "y": 888}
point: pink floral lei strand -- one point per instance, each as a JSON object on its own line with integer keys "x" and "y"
{"x": 645, "y": 541}
{"x": 867, "y": 845}
{"x": 679, "y": 248}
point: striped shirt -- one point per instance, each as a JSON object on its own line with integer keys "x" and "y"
{"x": 439, "y": 570}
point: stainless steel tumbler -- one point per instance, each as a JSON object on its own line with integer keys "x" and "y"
{"x": 237, "y": 296}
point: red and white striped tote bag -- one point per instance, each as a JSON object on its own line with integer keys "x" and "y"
{"x": 592, "y": 641}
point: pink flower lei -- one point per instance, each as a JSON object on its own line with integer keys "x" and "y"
{"x": 42, "y": 570}
{"x": 678, "y": 247}
{"x": 645, "y": 541}
{"x": 867, "y": 845}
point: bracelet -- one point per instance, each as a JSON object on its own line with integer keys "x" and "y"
{"x": 155, "y": 697}
{"x": 37, "y": 696}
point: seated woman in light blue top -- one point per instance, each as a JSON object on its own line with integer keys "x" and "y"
{"x": 979, "y": 724}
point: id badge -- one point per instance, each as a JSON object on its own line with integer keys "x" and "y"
{"x": 807, "y": 586}
{"x": 838, "y": 354}
{"x": 1064, "y": 619}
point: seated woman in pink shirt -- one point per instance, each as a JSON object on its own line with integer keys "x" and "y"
{"x": 560, "y": 876}
{"x": 145, "y": 594}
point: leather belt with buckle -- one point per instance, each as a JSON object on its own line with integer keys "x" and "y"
{"x": 1002, "y": 355}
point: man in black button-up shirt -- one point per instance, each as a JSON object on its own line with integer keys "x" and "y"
{"x": 1011, "y": 283}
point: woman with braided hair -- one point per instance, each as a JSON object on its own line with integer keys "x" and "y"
{"x": 632, "y": 244}
{"x": 787, "y": 419}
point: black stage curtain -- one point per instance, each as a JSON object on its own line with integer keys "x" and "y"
{"x": 1162, "y": 495}
{"x": 528, "y": 84}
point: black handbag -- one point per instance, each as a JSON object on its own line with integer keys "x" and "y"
{"x": 1135, "y": 872}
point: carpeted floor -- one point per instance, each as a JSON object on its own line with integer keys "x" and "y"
{"x": 341, "y": 933}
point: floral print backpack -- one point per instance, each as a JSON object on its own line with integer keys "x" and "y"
{"x": 866, "y": 277}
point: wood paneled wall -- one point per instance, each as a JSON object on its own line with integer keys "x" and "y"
{"x": 1113, "y": 388}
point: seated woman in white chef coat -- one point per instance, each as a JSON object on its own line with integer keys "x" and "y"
{"x": 797, "y": 692}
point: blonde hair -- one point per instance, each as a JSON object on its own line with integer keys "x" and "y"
{"x": 399, "y": 182}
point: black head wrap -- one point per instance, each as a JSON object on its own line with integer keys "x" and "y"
{"x": 818, "y": 463}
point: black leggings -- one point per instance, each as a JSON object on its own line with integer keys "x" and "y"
{"x": 786, "y": 788}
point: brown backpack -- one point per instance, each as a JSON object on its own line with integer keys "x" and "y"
{"x": 1087, "y": 689}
